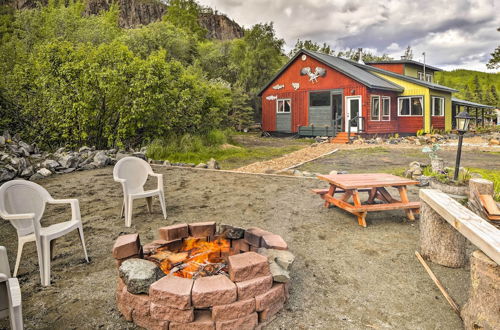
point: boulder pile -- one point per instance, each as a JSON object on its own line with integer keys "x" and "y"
{"x": 19, "y": 159}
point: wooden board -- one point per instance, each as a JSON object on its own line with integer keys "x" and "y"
{"x": 479, "y": 232}
{"x": 489, "y": 204}
{"x": 368, "y": 180}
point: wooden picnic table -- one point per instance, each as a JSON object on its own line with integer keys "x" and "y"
{"x": 375, "y": 184}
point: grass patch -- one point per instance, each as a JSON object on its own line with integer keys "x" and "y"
{"x": 493, "y": 176}
{"x": 369, "y": 151}
{"x": 216, "y": 144}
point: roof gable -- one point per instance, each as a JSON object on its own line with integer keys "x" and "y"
{"x": 404, "y": 77}
{"x": 362, "y": 76}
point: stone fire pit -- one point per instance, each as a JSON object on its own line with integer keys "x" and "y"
{"x": 198, "y": 277}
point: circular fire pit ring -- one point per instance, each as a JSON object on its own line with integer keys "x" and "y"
{"x": 198, "y": 277}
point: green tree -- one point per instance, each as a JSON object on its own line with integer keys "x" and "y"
{"x": 477, "y": 93}
{"x": 494, "y": 62}
{"x": 185, "y": 14}
{"x": 408, "y": 53}
{"x": 311, "y": 45}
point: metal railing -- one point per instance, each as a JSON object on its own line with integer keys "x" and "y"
{"x": 360, "y": 125}
{"x": 335, "y": 125}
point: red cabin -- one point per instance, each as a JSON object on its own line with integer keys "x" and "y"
{"x": 316, "y": 91}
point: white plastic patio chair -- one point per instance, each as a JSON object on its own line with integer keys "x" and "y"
{"x": 132, "y": 173}
{"x": 10, "y": 294}
{"x": 23, "y": 204}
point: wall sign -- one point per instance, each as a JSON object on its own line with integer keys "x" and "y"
{"x": 313, "y": 76}
{"x": 271, "y": 97}
{"x": 278, "y": 86}
{"x": 295, "y": 86}
{"x": 304, "y": 57}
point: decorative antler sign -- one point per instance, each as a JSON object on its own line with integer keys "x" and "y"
{"x": 313, "y": 76}
{"x": 295, "y": 86}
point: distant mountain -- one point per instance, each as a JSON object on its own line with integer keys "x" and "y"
{"x": 143, "y": 12}
{"x": 463, "y": 81}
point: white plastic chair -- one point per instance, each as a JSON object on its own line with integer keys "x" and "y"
{"x": 10, "y": 294}
{"x": 132, "y": 173}
{"x": 23, "y": 204}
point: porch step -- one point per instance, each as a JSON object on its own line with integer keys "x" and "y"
{"x": 341, "y": 138}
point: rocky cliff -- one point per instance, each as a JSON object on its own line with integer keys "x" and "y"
{"x": 142, "y": 12}
{"x": 132, "y": 12}
{"x": 220, "y": 27}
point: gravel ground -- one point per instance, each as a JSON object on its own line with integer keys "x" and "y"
{"x": 345, "y": 276}
{"x": 310, "y": 153}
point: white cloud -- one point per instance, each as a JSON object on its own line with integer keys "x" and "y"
{"x": 457, "y": 33}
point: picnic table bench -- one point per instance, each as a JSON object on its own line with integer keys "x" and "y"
{"x": 350, "y": 185}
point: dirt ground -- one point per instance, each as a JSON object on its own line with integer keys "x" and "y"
{"x": 345, "y": 276}
{"x": 390, "y": 158}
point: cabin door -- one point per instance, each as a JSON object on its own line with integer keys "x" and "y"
{"x": 353, "y": 111}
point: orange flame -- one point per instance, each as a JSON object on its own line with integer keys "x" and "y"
{"x": 197, "y": 257}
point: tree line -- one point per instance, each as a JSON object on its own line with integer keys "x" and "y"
{"x": 69, "y": 79}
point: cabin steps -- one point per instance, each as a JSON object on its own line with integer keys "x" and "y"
{"x": 341, "y": 138}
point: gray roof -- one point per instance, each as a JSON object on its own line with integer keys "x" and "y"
{"x": 403, "y": 77}
{"x": 364, "y": 77}
{"x": 456, "y": 101}
{"x": 433, "y": 68}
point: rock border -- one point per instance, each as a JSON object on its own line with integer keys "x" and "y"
{"x": 255, "y": 290}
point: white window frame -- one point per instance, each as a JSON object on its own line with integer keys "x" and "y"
{"x": 411, "y": 97}
{"x": 278, "y": 106}
{"x": 373, "y": 97}
{"x": 420, "y": 75}
{"x": 382, "y": 109}
{"x": 428, "y": 77}
{"x": 442, "y": 106}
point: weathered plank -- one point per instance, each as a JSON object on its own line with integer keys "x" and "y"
{"x": 476, "y": 229}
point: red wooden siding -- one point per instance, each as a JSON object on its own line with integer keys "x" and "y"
{"x": 382, "y": 126}
{"x": 437, "y": 122}
{"x": 395, "y": 67}
{"x": 410, "y": 124}
{"x": 332, "y": 80}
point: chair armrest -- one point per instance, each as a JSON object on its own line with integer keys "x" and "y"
{"x": 159, "y": 177}
{"x": 3, "y": 277}
{"x": 14, "y": 291}
{"x": 119, "y": 180}
{"x": 75, "y": 206}
{"x": 20, "y": 216}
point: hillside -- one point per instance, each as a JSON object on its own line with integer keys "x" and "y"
{"x": 143, "y": 12}
{"x": 464, "y": 81}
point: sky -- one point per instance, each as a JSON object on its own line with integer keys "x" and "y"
{"x": 454, "y": 34}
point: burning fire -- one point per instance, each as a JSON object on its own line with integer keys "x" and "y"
{"x": 196, "y": 258}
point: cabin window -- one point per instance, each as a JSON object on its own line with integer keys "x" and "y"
{"x": 284, "y": 106}
{"x": 420, "y": 75}
{"x": 428, "y": 77}
{"x": 410, "y": 106}
{"x": 386, "y": 108}
{"x": 375, "y": 112}
{"x": 319, "y": 99}
{"x": 437, "y": 106}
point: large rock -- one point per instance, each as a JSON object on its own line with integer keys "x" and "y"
{"x": 69, "y": 161}
{"x": 283, "y": 258}
{"x": 27, "y": 172}
{"x": 279, "y": 274}
{"x": 139, "y": 274}
{"x": 212, "y": 164}
{"x": 7, "y": 173}
{"x": 2, "y": 141}
{"x": 50, "y": 164}
{"x": 101, "y": 159}
{"x": 27, "y": 147}
{"x": 140, "y": 155}
{"x": 44, "y": 172}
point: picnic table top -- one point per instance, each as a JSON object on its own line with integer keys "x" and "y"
{"x": 366, "y": 180}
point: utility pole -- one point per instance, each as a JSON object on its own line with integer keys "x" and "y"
{"x": 425, "y": 77}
